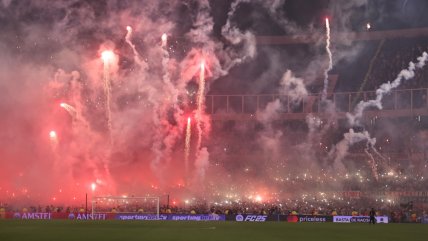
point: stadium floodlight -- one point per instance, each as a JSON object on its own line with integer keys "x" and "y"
{"x": 126, "y": 204}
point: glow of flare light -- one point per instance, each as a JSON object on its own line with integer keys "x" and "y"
{"x": 52, "y": 135}
{"x": 187, "y": 146}
{"x": 200, "y": 97}
{"x": 164, "y": 39}
{"x": 93, "y": 186}
{"x": 107, "y": 57}
{"x": 54, "y": 139}
{"x": 165, "y": 63}
{"x": 330, "y": 58}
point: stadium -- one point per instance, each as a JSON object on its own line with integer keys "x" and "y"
{"x": 214, "y": 120}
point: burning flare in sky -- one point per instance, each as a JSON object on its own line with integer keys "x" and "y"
{"x": 187, "y": 144}
{"x": 330, "y": 58}
{"x": 107, "y": 57}
{"x": 200, "y": 100}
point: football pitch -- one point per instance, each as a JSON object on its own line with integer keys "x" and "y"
{"x": 205, "y": 231}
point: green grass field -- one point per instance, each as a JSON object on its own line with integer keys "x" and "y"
{"x": 219, "y": 231}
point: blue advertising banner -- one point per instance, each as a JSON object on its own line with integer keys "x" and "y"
{"x": 359, "y": 219}
{"x": 196, "y": 217}
{"x": 133, "y": 216}
{"x": 173, "y": 217}
{"x": 315, "y": 218}
{"x": 252, "y": 218}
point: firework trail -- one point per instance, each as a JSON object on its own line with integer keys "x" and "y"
{"x": 382, "y": 158}
{"x": 372, "y": 164}
{"x": 166, "y": 133}
{"x": 78, "y": 120}
{"x": 330, "y": 59}
{"x": 107, "y": 57}
{"x": 134, "y": 50}
{"x": 200, "y": 102}
{"x": 165, "y": 61}
{"x": 385, "y": 88}
{"x": 165, "y": 58}
{"x": 187, "y": 147}
{"x": 350, "y": 138}
{"x": 70, "y": 109}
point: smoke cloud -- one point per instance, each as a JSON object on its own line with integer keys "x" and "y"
{"x": 52, "y": 54}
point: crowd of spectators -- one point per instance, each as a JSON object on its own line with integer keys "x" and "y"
{"x": 398, "y": 212}
{"x": 394, "y": 56}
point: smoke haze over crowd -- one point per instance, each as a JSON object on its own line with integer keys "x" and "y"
{"x": 121, "y": 121}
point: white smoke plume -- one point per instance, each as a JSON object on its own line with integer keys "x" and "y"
{"x": 293, "y": 87}
{"x": 201, "y": 165}
{"x": 385, "y": 88}
{"x": 330, "y": 59}
{"x": 372, "y": 164}
{"x": 149, "y": 99}
{"x": 237, "y": 37}
{"x": 134, "y": 50}
{"x": 341, "y": 149}
{"x": 55, "y": 58}
{"x": 270, "y": 137}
